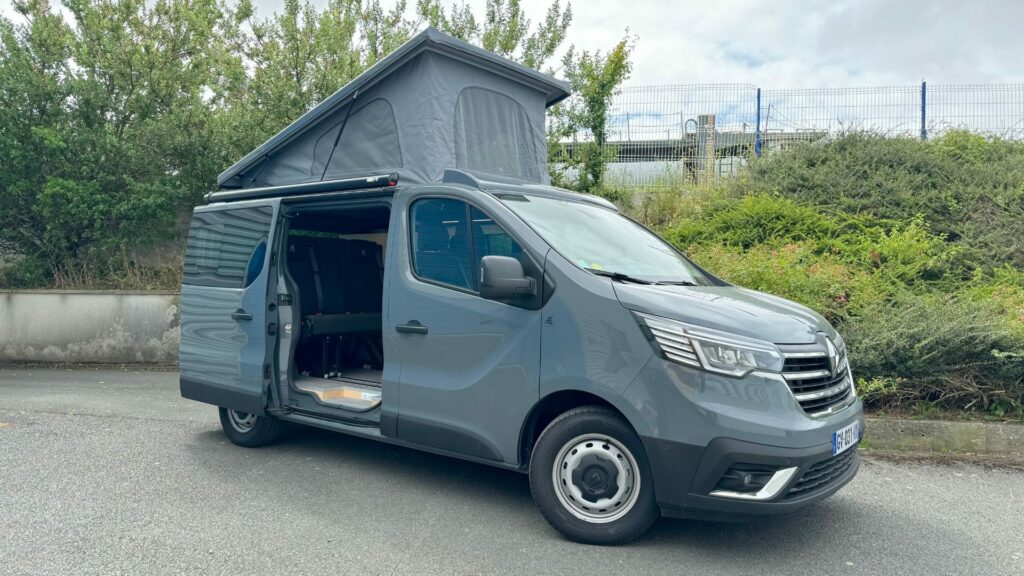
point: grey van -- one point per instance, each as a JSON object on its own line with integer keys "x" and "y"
{"x": 395, "y": 266}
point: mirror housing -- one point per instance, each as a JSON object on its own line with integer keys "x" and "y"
{"x": 502, "y": 278}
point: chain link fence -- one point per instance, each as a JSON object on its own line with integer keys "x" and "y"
{"x": 661, "y": 135}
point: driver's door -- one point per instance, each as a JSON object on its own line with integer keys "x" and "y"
{"x": 469, "y": 367}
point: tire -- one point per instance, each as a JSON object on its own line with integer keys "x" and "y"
{"x": 250, "y": 430}
{"x": 590, "y": 477}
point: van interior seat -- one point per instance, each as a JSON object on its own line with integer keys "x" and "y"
{"x": 340, "y": 282}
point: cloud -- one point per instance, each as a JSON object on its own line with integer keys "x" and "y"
{"x": 802, "y": 43}
{"x": 794, "y": 43}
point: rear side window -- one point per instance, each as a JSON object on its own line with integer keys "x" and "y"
{"x": 450, "y": 238}
{"x": 227, "y": 248}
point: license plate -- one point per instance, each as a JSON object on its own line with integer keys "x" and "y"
{"x": 843, "y": 439}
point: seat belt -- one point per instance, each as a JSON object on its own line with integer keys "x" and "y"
{"x": 316, "y": 279}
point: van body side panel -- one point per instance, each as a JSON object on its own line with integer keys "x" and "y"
{"x": 222, "y": 357}
{"x": 590, "y": 343}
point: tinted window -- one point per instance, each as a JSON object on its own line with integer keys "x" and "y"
{"x": 490, "y": 239}
{"x": 227, "y": 248}
{"x": 369, "y": 140}
{"x": 440, "y": 242}
{"x": 493, "y": 135}
{"x": 448, "y": 250}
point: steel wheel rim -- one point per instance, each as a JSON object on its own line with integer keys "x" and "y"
{"x": 241, "y": 421}
{"x": 614, "y": 455}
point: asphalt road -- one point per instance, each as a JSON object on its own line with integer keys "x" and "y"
{"x": 111, "y": 472}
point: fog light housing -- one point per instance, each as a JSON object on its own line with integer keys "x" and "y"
{"x": 745, "y": 478}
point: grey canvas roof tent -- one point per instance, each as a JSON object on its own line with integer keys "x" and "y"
{"x": 433, "y": 104}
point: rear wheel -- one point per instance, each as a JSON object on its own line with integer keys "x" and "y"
{"x": 590, "y": 478}
{"x": 250, "y": 430}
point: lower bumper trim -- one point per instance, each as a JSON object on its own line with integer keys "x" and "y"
{"x": 689, "y": 490}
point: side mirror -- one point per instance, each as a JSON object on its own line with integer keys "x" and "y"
{"x": 502, "y": 278}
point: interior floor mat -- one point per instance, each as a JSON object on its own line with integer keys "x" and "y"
{"x": 342, "y": 393}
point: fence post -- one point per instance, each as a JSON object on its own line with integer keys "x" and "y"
{"x": 924, "y": 101}
{"x": 757, "y": 126}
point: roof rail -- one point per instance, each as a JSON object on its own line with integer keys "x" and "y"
{"x": 360, "y": 183}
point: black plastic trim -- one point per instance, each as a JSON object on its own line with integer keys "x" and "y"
{"x": 445, "y": 437}
{"x": 684, "y": 474}
{"x": 223, "y": 396}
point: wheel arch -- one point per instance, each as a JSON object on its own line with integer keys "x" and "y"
{"x": 550, "y": 407}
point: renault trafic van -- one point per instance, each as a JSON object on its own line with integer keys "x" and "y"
{"x": 448, "y": 299}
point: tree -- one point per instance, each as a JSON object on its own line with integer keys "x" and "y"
{"x": 104, "y": 121}
{"x": 595, "y": 78}
{"x": 115, "y": 117}
{"x": 505, "y": 29}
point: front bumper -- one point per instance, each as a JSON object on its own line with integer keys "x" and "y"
{"x": 685, "y": 475}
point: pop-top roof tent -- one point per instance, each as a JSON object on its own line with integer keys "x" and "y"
{"x": 434, "y": 103}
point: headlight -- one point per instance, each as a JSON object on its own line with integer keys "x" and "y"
{"x": 710, "y": 350}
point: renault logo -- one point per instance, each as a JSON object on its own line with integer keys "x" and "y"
{"x": 833, "y": 355}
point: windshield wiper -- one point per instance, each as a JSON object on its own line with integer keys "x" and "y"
{"x": 677, "y": 283}
{"x": 617, "y": 276}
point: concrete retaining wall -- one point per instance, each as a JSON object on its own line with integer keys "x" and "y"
{"x": 945, "y": 437}
{"x": 88, "y": 326}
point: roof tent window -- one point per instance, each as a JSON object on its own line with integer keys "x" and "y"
{"x": 493, "y": 135}
{"x": 369, "y": 140}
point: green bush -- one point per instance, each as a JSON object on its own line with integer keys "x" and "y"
{"x": 948, "y": 350}
{"x": 966, "y": 188}
{"x": 755, "y": 219}
{"x": 914, "y": 251}
{"x": 794, "y": 271}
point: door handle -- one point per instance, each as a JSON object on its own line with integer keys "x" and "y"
{"x": 240, "y": 315}
{"x": 411, "y": 327}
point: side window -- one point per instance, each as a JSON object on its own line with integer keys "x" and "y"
{"x": 227, "y": 248}
{"x": 449, "y": 238}
{"x": 490, "y": 239}
{"x": 255, "y": 265}
{"x": 441, "y": 248}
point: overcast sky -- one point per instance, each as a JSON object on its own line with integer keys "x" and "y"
{"x": 803, "y": 43}
{"x": 798, "y": 43}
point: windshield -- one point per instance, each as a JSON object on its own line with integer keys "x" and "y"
{"x": 599, "y": 239}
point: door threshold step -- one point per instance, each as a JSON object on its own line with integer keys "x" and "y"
{"x": 346, "y": 394}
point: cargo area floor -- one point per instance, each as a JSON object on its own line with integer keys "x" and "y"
{"x": 354, "y": 389}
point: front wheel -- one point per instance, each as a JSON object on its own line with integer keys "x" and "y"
{"x": 250, "y": 430}
{"x": 590, "y": 478}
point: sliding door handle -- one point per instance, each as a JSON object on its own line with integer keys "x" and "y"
{"x": 411, "y": 327}
{"x": 240, "y": 315}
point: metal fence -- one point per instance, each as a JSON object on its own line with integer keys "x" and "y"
{"x": 659, "y": 135}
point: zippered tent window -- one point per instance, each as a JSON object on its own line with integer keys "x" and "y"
{"x": 493, "y": 135}
{"x": 369, "y": 140}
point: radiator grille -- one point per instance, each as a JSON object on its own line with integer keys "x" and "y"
{"x": 819, "y": 383}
